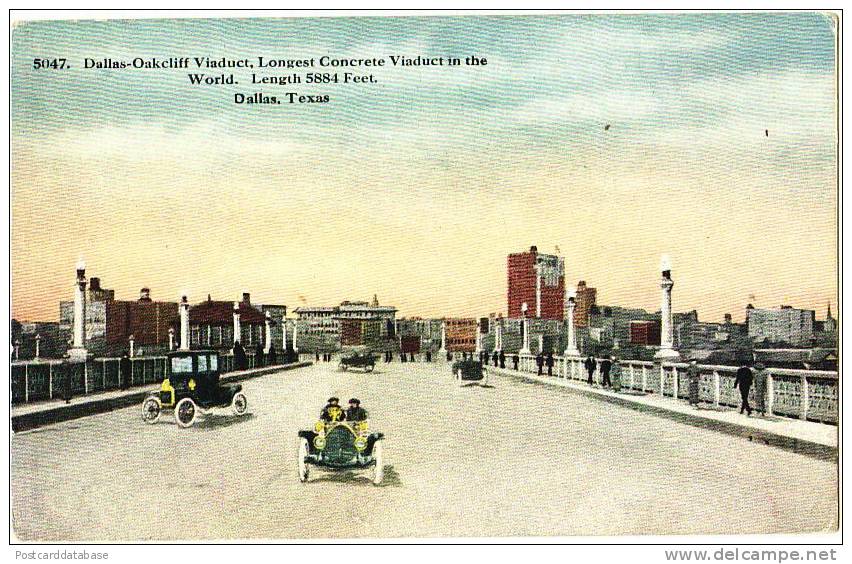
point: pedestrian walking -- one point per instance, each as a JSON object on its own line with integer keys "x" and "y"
{"x": 125, "y": 371}
{"x": 272, "y": 357}
{"x": 591, "y": 365}
{"x": 549, "y": 363}
{"x": 502, "y": 359}
{"x": 259, "y": 356}
{"x": 743, "y": 382}
{"x": 428, "y": 356}
{"x": 66, "y": 370}
{"x": 495, "y": 358}
{"x": 615, "y": 373}
{"x": 693, "y": 374}
{"x": 539, "y": 361}
{"x": 411, "y": 357}
{"x": 240, "y": 359}
{"x": 515, "y": 361}
{"x": 606, "y": 366}
{"x": 761, "y": 378}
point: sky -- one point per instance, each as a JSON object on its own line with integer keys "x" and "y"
{"x": 417, "y": 187}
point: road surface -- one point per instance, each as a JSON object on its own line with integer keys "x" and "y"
{"x": 514, "y": 459}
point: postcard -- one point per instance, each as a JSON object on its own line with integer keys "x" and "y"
{"x": 424, "y": 276}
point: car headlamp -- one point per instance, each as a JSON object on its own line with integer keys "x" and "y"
{"x": 361, "y": 426}
{"x": 319, "y": 426}
{"x": 360, "y": 443}
{"x": 319, "y": 442}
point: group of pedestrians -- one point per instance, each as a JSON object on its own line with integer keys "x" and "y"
{"x": 610, "y": 371}
{"x": 745, "y": 378}
{"x": 497, "y": 358}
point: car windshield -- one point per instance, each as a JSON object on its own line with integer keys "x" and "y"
{"x": 181, "y": 365}
{"x": 202, "y": 363}
{"x": 214, "y": 363}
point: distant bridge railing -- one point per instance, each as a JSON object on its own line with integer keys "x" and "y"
{"x": 804, "y": 394}
{"x": 38, "y": 380}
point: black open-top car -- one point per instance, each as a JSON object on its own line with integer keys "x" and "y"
{"x": 341, "y": 445}
{"x": 470, "y": 371}
{"x": 363, "y": 360}
{"x": 191, "y": 386}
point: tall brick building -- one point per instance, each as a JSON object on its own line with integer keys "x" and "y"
{"x": 538, "y": 280}
{"x": 586, "y": 298}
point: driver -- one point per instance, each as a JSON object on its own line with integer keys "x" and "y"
{"x": 332, "y": 410}
{"x": 355, "y": 411}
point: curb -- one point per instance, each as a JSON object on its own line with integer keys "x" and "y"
{"x": 71, "y": 411}
{"x": 800, "y": 446}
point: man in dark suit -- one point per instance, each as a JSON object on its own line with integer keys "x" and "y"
{"x": 606, "y": 366}
{"x": 124, "y": 371}
{"x": 549, "y": 363}
{"x": 539, "y": 361}
{"x": 502, "y": 359}
{"x": 743, "y": 382}
{"x": 591, "y": 364}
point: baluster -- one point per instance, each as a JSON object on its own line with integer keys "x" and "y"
{"x": 50, "y": 380}
{"x": 644, "y": 378}
{"x": 662, "y": 380}
{"x": 805, "y": 398}
{"x": 85, "y": 377}
{"x": 26, "y": 383}
{"x": 675, "y": 383}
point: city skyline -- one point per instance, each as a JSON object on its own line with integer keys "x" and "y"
{"x": 708, "y": 137}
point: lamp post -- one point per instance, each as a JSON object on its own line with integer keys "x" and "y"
{"x": 78, "y": 346}
{"x": 525, "y": 328}
{"x": 184, "y": 323}
{"x": 38, "y": 345}
{"x": 171, "y": 338}
{"x": 268, "y": 337}
{"x": 237, "y": 334}
{"x": 17, "y": 349}
{"x": 132, "y": 347}
{"x": 666, "y": 351}
{"x": 571, "y": 348}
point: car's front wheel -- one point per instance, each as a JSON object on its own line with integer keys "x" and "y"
{"x": 379, "y": 468}
{"x": 239, "y": 404}
{"x": 369, "y": 368}
{"x": 185, "y": 412}
{"x": 484, "y": 376}
{"x": 459, "y": 376}
{"x": 151, "y": 409}
{"x": 302, "y": 466}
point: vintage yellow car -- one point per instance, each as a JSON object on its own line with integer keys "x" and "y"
{"x": 341, "y": 445}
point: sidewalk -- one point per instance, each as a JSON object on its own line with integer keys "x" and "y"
{"x": 36, "y": 414}
{"x": 806, "y": 437}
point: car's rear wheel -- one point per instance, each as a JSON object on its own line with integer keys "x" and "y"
{"x": 151, "y": 409}
{"x": 185, "y": 412}
{"x": 368, "y": 368}
{"x": 379, "y": 468}
{"x": 302, "y": 466}
{"x": 459, "y": 376}
{"x": 341, "y": 366}
{"x": 239, "y": 404}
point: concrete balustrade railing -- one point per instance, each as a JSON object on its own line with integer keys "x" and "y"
{"x": 805, "y": 394}
{"x": 38, "y": 380}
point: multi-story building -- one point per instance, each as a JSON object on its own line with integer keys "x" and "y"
{"x": 585, "y": 300}
{"x": 211, "y": 324}
{"x": 96, "y": 316}
{"x": 349, "y": 324}
{"x": 426, "y": 332}
{"x": 781, "y": 325}
{"x": 644, "y": 332}
{"x": 538, "y": 280}
{"x": 146, "y": 320}
{"x": 461, "y": 334}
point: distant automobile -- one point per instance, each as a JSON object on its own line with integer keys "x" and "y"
{"x": 363, "y": 361}
{"x": 341, "y": 445}
{"x": 470, "y": 371}
{"x": 191, "y": 387}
